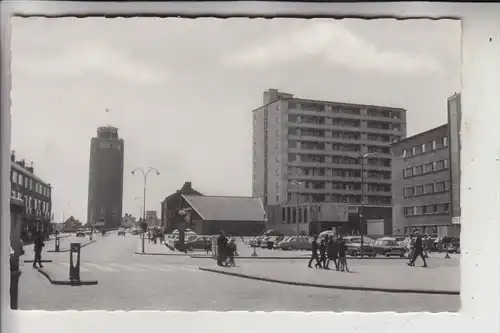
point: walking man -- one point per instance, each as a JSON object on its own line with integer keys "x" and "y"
{"x": 314, "y": 253}
{"x": 38, "y": 245}
{"x": 221, "y": 248}
{"x": 418, "y": 250}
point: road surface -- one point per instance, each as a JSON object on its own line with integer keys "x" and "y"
{"x": 128, "y": 281}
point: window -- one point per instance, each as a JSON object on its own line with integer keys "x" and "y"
{"x": 292, "y": 157}
{"x": 446, "y": 186}
{"x": 408, "y": 191}
{"x": 417, "y": 170}
{"x": 419, "y": 189}
{"x": 429, "y": 188}
{"x": 445, "y": 141}
{"x": 434, "y": 166}
{"x": 419, "y": 210}
{"x": 446, "y": 208}
{"x": 413, "y": 151}
{"x": 445, "y": 163}
{"x": 427, "y": 168}
{"x": 294, "y": 215}
{"x": 283, "y": 214}
{"x": 423, "y": 148}
{"x": 439, "y": 165}
{"x": 440, "y": 209}
{"x": 439, "y": 187}
{"x": 429, "y": 209}
{"x": 409, "y": 172}
{"x": 418, "y": 150}
{"x": 404, "y": 153}
{"x": 434, "y": 145}
{"x": 409, "y": 211}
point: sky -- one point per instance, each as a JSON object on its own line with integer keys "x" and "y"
{"x": 181, "y": 91}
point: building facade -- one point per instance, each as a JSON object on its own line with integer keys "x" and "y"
{"x": 36, "y": 196}
{"x": 152, "y": 218}
{"x": 426, "y": 179}
{"x": 128, "y": 221}
{"x": 105, "y": 197}
{"x": 171, "y": 206}
{"x": 320, "y": 144}
{"x": 307, "y": 218}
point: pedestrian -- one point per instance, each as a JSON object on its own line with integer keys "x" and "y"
{"x": 208, "y": 245}
{"x": 418, "y": 250}
{"x": 332, "y": 252}
{"x": 221, "y": 248}
{"x": 38, "y": 246}
{"x": 322, "y": 253}
{"x": 342, "y": 249}
{"x": 314, "y": 253}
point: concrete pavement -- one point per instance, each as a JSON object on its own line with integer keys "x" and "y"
{"x": 385, "y": 276}
{"x": 134, "y": 282}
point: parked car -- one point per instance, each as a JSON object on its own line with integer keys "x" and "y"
{"x": 454, "y": 247}
{"x": 80, "y": 233}
{"x": 268, "y": 242}
{"x": 199, "y": 243}
{"x": 354, "y": 245}
{"x": 296, "y": 243}
{"x": 388, "y": 246}
{"x": 256, "y": 241}
{"x": 121, "y": 232}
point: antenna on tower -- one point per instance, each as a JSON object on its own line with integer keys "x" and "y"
{"x": 107, "y": 111}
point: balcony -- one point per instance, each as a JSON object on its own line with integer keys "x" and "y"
{"x": 340, "y": 115}
{"x": 337, "y": 166}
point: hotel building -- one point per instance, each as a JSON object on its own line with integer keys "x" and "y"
{"x": 319, "y": 145}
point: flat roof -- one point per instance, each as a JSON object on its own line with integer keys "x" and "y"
{"x": 435, "y": 129}
{"x": 332, "y": 102}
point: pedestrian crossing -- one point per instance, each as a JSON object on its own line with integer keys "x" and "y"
{"x": 110, "y": 267}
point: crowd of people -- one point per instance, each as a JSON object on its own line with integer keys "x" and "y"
{"x": 331, "y": 248}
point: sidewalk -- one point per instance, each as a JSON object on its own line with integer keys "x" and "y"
{"x": 58, "y": 275}
{"x": 383, "y": 277}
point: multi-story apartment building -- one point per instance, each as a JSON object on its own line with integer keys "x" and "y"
{"x": 320, "y": 144}
{"x": 106, "y": 178}
{"x": 35, "y": 195}
{"x": 426, "y": 179}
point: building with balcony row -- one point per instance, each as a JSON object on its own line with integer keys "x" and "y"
{"x": 318, "y": 146}
{"x": 426, "y": 179}
{"x": 34, "y": 196}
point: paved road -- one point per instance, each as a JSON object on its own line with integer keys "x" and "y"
{"x": 133, "y": 282}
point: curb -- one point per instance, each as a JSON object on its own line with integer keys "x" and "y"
{"x": 66, "y": 282}
{"x": 303, "y": 257}
{"x": 31, "y": 261}
{"x": 304, "y": 284}
{"x": 67, "y": 250}
{"x": 162, "y": 254}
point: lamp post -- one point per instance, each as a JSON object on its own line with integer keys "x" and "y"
{"x": 145, "y": 175}
{"x": 361, "y": 217}
{"x": 297, "y": 184}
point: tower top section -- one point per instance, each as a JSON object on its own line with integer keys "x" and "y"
{"x": 107, "y": 132}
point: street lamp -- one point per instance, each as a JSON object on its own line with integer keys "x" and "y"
{"x": 361, "y": 217}
{"x": 145, "y": 175}
{"x": 140, "y": 207}
{"x": 297, "y": 184}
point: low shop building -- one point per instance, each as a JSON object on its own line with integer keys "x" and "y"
{"x": 239, "y": 216}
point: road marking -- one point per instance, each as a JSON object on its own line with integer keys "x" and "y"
{"x": 104, "y": 268}
{"x": 82, "y": 269}
{"x": 155, "y": 267}
{"x": 126, "y": 267}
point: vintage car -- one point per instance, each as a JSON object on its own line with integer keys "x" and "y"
{"x": 388, "y": 246}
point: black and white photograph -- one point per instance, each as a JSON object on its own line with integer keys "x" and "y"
{"x": 235, "y": 164}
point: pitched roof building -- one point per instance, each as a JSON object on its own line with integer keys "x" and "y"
{"x": 241, "y": 216}
{"x": 171, "y": 205}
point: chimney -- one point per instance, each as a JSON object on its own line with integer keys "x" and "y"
{"x": 187, "y": 185}
{"x": 13, "y": 156}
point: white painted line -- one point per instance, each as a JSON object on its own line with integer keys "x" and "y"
{"x": 156, "y": 267}
{"x": 104, "y": 267}
{"x": 82, "y": 269}
{"x": 127, "y": 267}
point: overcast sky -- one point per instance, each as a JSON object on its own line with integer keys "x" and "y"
{"x": 181, "y": 91}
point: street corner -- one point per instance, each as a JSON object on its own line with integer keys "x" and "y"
{"x": 58, "y": 277}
